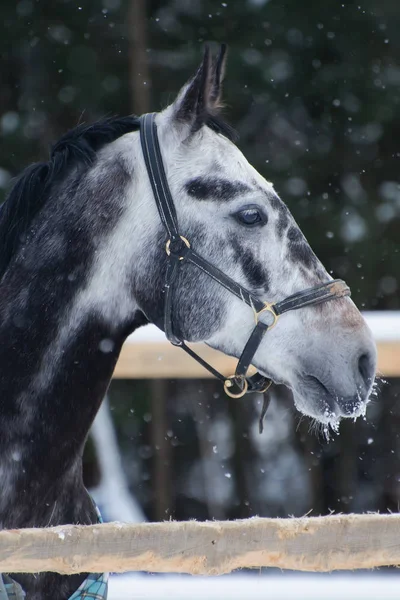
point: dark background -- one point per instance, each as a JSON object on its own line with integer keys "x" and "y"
{"x": 313, "y": 89}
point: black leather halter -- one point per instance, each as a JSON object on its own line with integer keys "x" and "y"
{"x": 179, "y": 252}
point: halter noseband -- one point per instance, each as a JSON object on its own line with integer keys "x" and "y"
{"x": 179, "y": 251}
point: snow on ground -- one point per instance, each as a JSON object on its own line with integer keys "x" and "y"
{"x": 285, "y": 586}
{"x": 385, "y": 326}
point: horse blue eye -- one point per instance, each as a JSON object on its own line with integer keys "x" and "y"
{"x": 250, "y": 216}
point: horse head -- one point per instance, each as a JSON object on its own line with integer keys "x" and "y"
{"x": 237, "y": 223}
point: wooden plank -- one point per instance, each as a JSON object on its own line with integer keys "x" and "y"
{"x": 152, "y": 360}
{"x": 208, "y": 548}
{"x": 159, "y": 359}
{"x": 389, "y": 359}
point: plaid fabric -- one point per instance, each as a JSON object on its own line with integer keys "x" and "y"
{"x": 95, "y": 586}
{"x": 10, "y": 589}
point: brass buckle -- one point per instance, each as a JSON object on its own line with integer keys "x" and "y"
{"x": 268, "y": 307}
{"x": 229, "y": 382}
{"x": 167, "y": 245}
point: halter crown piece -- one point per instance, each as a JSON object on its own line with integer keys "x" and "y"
{"x": 179, "y": 251}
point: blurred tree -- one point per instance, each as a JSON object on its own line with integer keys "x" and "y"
{"x": 139, "y": 71}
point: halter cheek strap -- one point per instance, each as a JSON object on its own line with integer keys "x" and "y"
{"x": 179, "y": 251}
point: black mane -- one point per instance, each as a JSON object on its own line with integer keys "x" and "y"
{"x": 32, "y": 187}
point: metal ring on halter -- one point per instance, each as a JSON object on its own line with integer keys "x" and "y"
{"x": 266, "y": 387}
{"x": 184, "y": 240}
{"x": 229, "y": 382}
{"x": 268, "y": 307}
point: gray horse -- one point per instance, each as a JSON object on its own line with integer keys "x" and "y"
{"x": 83, "y": 264}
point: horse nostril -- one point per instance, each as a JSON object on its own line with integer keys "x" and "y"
{"x": 366, "y": 368}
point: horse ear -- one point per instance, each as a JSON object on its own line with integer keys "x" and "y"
{"x": 200, "y": 97}
{"x": 218, "y": 77}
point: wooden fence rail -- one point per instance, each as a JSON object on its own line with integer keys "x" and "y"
{"x": 207, "y": 548}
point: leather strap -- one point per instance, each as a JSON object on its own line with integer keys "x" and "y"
{"x": 203, "y": 363}
{"x": 336, "y": 288}
{"x": 232, "y": 286}
{"x": 250, "y": 349}
{"x": 171, "y": 277}
{"x": 155, "y": 169}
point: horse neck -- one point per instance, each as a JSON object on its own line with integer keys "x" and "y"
{"x": 60, "y": 343}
